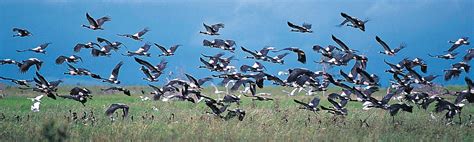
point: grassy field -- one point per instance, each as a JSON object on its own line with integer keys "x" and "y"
{"x": 280, "y": 120}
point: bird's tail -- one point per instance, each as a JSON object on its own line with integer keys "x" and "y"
{"x": 206, "y": 43}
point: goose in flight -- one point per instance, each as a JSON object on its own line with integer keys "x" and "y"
{"x": 167, "y": 52}
{"x": 468, "y": 57}
{"x": 343, "y": 46}
{"x": 258, "y": 55}
{"x": 39, "y": 49}
{"x": 71, "y": 59}
{"x": 80, "y": 71}
{"x": 137, "y": 36}
{"x": 112, "y": 108}
{"x": 36, "y": 103}
{"x": 301, "y": 54}
{"x": 95, "y": 24}
{"x": 79, "y": 46}
{"x": 26, "y": 64}
{"x": 78, "y": 94}
{"x": 21, "y": 32}
{"x": 114, "y": 75}
{"x": 220, "y": 43}
{"x": 213, "y": 29}
{"x": 387, "y": 49}
{"x": 18, "y": 82}
{"x": 154, "y": 69}
{"x": 448, "y": 56}
{"x": 458, "y": 43}
{"x": 312, "y": 105}
{"x": 305, "y": 28}
{"x": 114, "y": 45}
{"x": 142, "y": 51}
{"x": 8, "y": 61}
{"x": 256, "y": 67}
{"x": 121, "y": 89}
{"x": 355, "y": 22}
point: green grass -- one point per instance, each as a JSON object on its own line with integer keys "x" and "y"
{"x": 280, "y": 120}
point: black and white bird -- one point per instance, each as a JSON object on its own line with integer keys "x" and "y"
{"x": 18, "y": 82}
{"x": 21, "y": 32}
{"x": 305, "y": 28}
{"x": 114, "y": 75}
{"x": 113, "y": 45}
{"x": 112, "y": 108}
{"x": 448, "y": 56}
{"x": 142, "y": 51}
{"x": 154, "y": 69}
{"x": 301, "y": 54}
{"x": 80, "y": 71}
{"x": 121, "y": 89}
{"x": 96, "y": 24}
{"x": 256, "y": 67}
{"x": 220, "y": 43}
{"x": 137, "y": 36}
{"x": 312, "y": 105}
{"x": 26, "y": 64}
{"x": 343, "y": 46}
{"x": 355, "y": 22}
{"x": 258, "y": 55}
{"x": 386, "y": 48}
{"x": 468, "y": 57}
{"x": 71, "y": 59}
{"x": 458, "y": 43}
{"x": 78, "y": 94}
{"x": 167, "y": 52}
{"x": 39, "y": 49}
{"x": 213, "y": 29}
{"x": 8, "y": 61}
{"x": 91, "y": 45}
{"x": 278, "y": 59}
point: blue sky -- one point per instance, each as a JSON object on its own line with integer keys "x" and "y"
{"x": 424, "y": 25}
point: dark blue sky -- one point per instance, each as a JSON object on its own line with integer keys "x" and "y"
{"x": 424, "y": 25}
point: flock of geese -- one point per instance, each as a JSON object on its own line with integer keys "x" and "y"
{"x": 357, "y": 84}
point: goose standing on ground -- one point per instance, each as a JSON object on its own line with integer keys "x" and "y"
{"x": 18, "y": 82}
{"x": 70, "y": 59}
{"x": 114, "y": 75}
{"x": 301, "y": 54}
{"x": 26, "y": 64}
{"x": 448, "y": 56}
{"x": 21, "y": 32}
{"x": 39, "y": 49}
{"x": 355, "y": 23}
{"x": 136, "y": 36}
{"x": 387, "y": 49}
{"x": 167, "y": 52}
{"x": 112, "y": 108}
{"x": 142, "y": 51}
{"x": 305, "y": 28}
{"x": 212, "y": 30}
{"x": 457, "y": 43}
{"x": 95, "y": 24}
{"x": 79, "y": 46}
